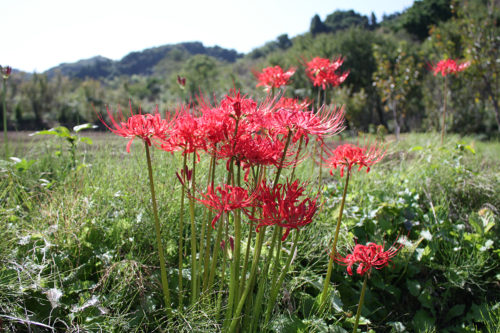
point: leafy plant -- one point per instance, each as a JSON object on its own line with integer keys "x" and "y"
{"x": 71, "y": 139}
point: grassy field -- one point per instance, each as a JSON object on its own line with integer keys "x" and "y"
{"x": 77, "y": 249}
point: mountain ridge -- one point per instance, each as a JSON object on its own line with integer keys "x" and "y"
{"x": 138, "y": 62}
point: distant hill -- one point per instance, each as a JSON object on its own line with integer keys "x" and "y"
{"x": 140, "y": 62}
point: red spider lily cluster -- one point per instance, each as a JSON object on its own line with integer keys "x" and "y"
{"x": 449, "y": 66}
{"x": 253, "y": 142}
{"x": 250, "y": 133}
{"x": 241, "y": 131}
{"x": 323, "y": 72}
{"x": 274, "y": 77}
{"x": 347, "y": 155}
{"x": 367, "y": 257}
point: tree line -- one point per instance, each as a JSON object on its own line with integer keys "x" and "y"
{"x": 390, "y": 83}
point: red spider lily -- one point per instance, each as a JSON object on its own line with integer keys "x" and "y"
{"x": 225, "y": 199}
{"x": 449, "y": 66}
{"x": 186, "y": 135}
{"x": 368, "y": 256}
{"x": 281, "y": 206}
{"x": 216, "y": 127}
{"x": 6, "y": 71}
{"x": 221, "y": 120}
{"x": 348, "y": 155}
{"x": 274, "y": 77}
{"x": 254, "y": 150}
{"x": 147, "y": 127}
{"x": 293, "y": 104}
{"x": 322, "y": 72}
{"x": 305, "y": 123}
{"x": 237, "y": 105}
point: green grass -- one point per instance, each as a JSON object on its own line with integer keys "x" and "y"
{"x": 78, "y": 253}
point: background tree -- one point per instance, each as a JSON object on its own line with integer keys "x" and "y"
{"x": 419, "y": 18}
{"x": 397, "y": 76}
{"x": 201, "y": 74}
{"x": 342, "y": 20}
{"x": 317, "y": 26}
{"x": 479, "y": 24}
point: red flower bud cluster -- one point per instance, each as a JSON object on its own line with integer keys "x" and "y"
{"x": 6, "y": 71}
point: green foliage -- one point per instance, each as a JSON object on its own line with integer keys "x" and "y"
{"x": 63, "y": 95}
{"x": 317, "y": 26}
{"x": 423, "y": 14}
{"x": 397, "y": 77}
{"x": 342, "y": 20}
{"x": 85, "y": 250}
{"x": 72, "y": 139}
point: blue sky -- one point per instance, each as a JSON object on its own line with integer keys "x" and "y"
{"x": 38, "y": 34}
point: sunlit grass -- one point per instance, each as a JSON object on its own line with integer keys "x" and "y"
{"x": 86, "y": 234}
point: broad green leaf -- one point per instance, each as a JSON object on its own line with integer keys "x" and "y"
{"x": 63, "y": 131}
{"x": 426, "y": 299}
{"x": 45, "y": 132}
{"x": 414, "y": 287}
{"x": 78, "y": 128}
{"x": 422, "y": 321}
{"x": 86, "y": 140}
{"x": 287, "y": 324}
{"x": 455, "y": 311}
{"x": 469, "y": 148}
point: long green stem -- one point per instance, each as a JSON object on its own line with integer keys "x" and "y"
{"x": 208, "y": 244}
{"x": 277, "y": 267}
{"x": 276, "y": 287}
{"x": 280, "y": 167}
{"x": 235, "y": 267}
{"x": 320, "y": 178}
{"x": 262, "y": 285}
{"x": 4, "y": 109}
{"x": 224, "y": 259}
{"x": 194, "y": 269}
{"x": 360, "y": 305}
{"x": 445, "y": 91}
{"x": 295, "y": 162}
{"x": 247, "y": 256}
{"x": 249, "y": 286}
{"x": 216, "y": 247}
{"x": 181, "y": 238}
{"x": 205, "y": 228}
{"x": 334, "y": 245}
{"x": 249, "y": 242}
{"x": 163, "y": 271}
{"x": 318, "y": 102}
{"x": 215, "y": 254}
